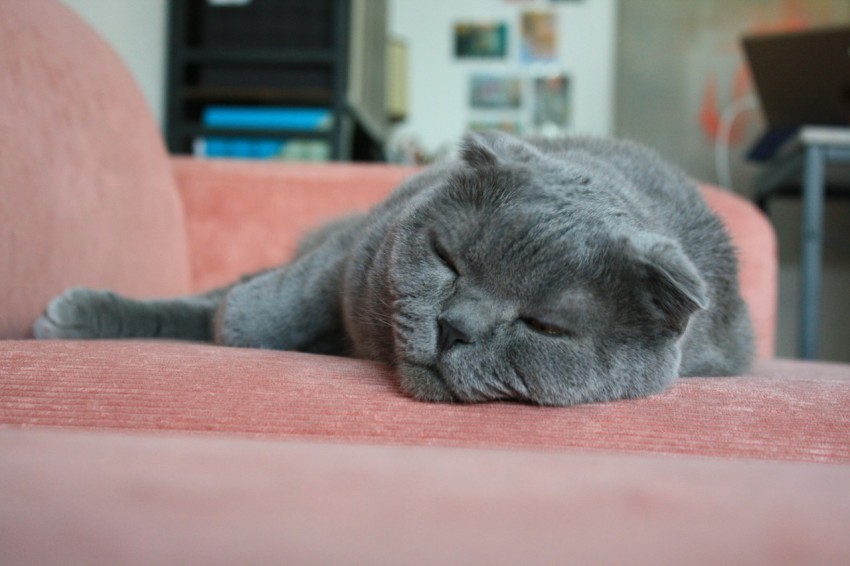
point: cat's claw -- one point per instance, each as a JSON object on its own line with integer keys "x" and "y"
{"x": 78, "y": 313}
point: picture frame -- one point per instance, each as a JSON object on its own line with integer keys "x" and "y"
{"x": 495, "y": 91}
{"x": 481, "y": 40}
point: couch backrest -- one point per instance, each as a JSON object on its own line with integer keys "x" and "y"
{"x": 87, "y": 197}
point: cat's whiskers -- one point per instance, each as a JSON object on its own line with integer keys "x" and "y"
{"x": 376, "y": 317}
{"x": 524, "y": 388}
{"x": 382, "y": 313}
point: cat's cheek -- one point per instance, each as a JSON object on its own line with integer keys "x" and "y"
{"x": 413, "y": 335}
{"x": 423, "y": 383}
{"x": 414, "y": 316}
{"x": 554, "y": 371}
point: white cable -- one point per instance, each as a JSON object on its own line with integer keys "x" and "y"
{"x": 724, "y": 131}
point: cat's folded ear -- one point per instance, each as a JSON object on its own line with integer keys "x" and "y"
{"x": 486, "y": 150}
{"x": 668, "y": 280}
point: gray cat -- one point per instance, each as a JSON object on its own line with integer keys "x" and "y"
{"x": 549, "y": 271}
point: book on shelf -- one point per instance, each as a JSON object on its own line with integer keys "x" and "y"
{"x": 254, "y": 148}
{"x": 263, "y": 118}
{"x": 285, "y": 119}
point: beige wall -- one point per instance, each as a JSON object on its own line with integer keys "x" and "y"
{"x": 136, "y": 29}
{"x": 679, "y": 66}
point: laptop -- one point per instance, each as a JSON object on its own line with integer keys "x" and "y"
{"x": 802, "y": 79}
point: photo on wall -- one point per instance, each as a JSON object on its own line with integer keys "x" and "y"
{"x": 551, "y": 95}
{"x": 495, "y": 91}
{"x": 539, "y": 41}
{"x": 481, "y": 40}
{"x": 507, "y": 125}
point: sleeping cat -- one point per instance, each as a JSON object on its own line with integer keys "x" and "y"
{"x": 549, "y": 271}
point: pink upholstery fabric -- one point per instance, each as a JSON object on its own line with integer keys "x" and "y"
{"x": 783, "y": 410}
{"x": 87, "y": 196}
{"x": 244, "y": 216}
{"x": 109, "y": 499}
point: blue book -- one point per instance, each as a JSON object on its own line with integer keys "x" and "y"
{"x": 277, "y": 118}
{"x": 242, "y": 148}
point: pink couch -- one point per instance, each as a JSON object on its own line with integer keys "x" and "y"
{"x": 166, "y": 452}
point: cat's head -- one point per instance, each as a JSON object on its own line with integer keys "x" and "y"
{"x": 526, "y": 277}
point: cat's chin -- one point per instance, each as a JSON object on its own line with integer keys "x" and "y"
{"x": 424, "y": 383}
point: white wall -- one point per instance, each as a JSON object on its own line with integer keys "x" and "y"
{"x": 136, "y": 29}
{"x": 439, "y": 82}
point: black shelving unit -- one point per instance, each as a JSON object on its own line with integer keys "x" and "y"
{"x": 263, "y": 53}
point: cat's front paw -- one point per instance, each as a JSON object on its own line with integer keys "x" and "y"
{"x": 79, "y": 313}
{"x": 424, "y": 384}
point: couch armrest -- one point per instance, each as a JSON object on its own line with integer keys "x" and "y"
{"x": 243, "y": 216}
{"x": 758, "y": 260}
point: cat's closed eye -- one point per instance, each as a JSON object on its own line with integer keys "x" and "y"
{"x": 544, "y": 327}
{"x": 443, "y": 255}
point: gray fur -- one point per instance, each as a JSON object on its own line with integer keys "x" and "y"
{"x": 550, "y": 271}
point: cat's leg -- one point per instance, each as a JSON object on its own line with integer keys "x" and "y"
{"x": 294, "y": 307}
{"x": 88, "y": 313}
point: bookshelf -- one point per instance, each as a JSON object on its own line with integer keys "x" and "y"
{"x": 270, "y": 56}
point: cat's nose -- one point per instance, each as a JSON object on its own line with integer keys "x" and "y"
{"x": 450, "y": 335}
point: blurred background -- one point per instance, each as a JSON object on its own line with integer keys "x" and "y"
{"x": 400, "y": 80}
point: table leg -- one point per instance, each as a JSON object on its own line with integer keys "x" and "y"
{"x": 812, "y": 251}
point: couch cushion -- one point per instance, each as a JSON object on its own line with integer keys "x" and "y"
{"x": 783, "y": 410}
{"x": 73, "y": 498}
{"x": 87, "y": 197}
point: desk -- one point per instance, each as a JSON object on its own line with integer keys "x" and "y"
{"x": 811, "y": 152}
